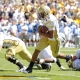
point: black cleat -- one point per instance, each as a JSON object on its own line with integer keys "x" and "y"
{"x": 28, "y": 70}
{"x": 68, "y": 57}
{"x": 48, "y": 67}
{"x": 39, "y": 66}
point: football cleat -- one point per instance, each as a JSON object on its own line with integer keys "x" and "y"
{"x": 62, "y": 68}
{"x": 48, "y": 67}
{"x": 28, "y": 70}
{"x": 22, "y": 69}
{"x": 39, "y": 66}
{"x": 69, "y": 57}
{"x": 69, "y": 63}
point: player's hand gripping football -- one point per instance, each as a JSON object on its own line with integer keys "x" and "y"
{"x": 42, "y": 29}
{"x": 39, "y": 28}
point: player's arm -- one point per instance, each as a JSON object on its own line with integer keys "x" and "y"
{"x": 50, "y": 32}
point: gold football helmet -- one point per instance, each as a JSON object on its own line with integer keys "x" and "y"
{"x": 43, "y": 11}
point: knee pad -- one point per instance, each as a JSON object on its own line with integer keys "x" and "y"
{"x": 12, "y": 59}
{"x": 9, "y": 53}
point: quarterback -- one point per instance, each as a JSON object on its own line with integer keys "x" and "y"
{"x": 17, "y": 47}
{"x": 50, "y": 38}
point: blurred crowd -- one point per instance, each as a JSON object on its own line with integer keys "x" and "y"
{"x": 20, "y": 19}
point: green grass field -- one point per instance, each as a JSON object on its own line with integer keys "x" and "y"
{"x": 8, "y": 70}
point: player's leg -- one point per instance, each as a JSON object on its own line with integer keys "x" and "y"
{"x": 64, "y": 56}
{"x": 39, "y": 47}
{"x": 44, "y": 55}
{"x": 51, "y": 60}
{"x": 25, "y": 54}
{"x": 76, "y": 64}
{"x": 41, "y": 64}
{"x": 10, "y": 53}
{"x": 56, "y": 52}
{"x": 55, "y": 45}
{"x": 46, "y": 66}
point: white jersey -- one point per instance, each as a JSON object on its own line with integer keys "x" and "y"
{"x": 51, "y": 23}
{"x": 76, "y": 63}
{"x": 46, "y": 53}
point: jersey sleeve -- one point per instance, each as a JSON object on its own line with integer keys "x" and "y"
{"x": 51, "y": 25}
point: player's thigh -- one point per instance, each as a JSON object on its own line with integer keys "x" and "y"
{"x": 43, "y": 43}
{"x": 55, "y": 45}
{"x": 13, "y": 50}
{"x": 25, "y": 54}
{"x": 77, "y": 64}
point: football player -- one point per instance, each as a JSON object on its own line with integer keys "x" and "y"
{"x": 17, "y": 47}
{"x": 74, "y": 63}
{"x": 50, "y": 38}
{"x": 47, "y": 54}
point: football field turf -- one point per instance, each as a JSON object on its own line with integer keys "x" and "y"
{"x": 8, "y": 70}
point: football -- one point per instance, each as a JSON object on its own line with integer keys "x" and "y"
{"x": 44, "y": 29}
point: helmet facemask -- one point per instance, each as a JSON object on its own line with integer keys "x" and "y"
{"x": 41, "y": 15}
{"x": 43, "y": 12}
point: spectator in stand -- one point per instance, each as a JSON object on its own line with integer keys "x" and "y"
{"x": 67, "y": 31}
{"x": 17, "y": 11}
{"x": 13, "y": 29}
{"x": 23, "y": 32}
{"x": 76, "y": 34}
{"x": 72, "y": 26}
{"x": 34, "y": 17}
{"x": 10, "y": 13}
{"x": 4, "y": 28}
{"x": 30, "y": 35}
